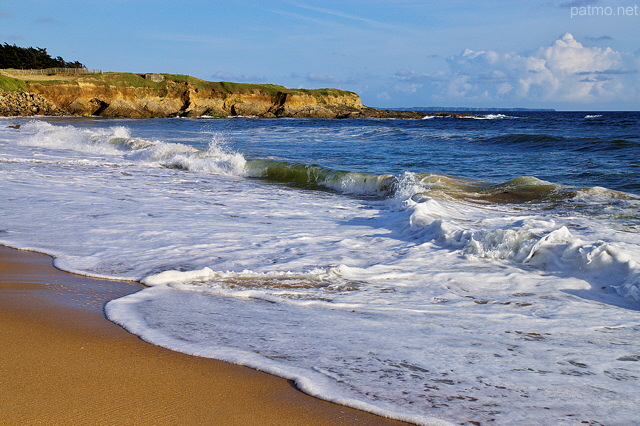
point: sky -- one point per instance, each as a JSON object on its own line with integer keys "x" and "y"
{"x": 560, "y": 54}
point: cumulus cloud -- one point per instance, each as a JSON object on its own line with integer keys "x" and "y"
{"x": 565, "y": 71}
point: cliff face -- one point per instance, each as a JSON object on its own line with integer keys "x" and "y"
{"x": 158, "y": 95}
{"x": 165, "y": 95}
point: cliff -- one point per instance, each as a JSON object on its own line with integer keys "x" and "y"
{"x": 167, "y": 95}
{"x": 164, "y": 95}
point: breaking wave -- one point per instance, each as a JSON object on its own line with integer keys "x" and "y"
{"x": 118, "y": 141}
{"x": 430, "y": 200}
{"x": 218, "y": 159}
{"x": 537, "y": 245}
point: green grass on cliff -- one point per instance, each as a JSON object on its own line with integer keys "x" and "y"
{"x": 9, "y": 84}
{"x": 269, "y": 89}
{"x": 119, "y": 79}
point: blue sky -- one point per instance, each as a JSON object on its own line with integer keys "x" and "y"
{"x": 563, "y": 54}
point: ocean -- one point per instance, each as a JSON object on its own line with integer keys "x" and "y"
{"x": 438, "y": 271}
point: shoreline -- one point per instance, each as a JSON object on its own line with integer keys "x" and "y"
{"x": 64, "y": 362}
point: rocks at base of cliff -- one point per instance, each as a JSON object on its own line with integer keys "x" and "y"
{"x": 368, "y": 112}
{"x": 25, "y": 104}
{"x": 336, "y": 111}
{"x": 315, "y": 111}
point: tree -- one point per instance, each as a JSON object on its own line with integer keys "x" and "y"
{"x": 12, "y": 56}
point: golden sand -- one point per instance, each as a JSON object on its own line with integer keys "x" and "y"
{"x": 62, "y": 362}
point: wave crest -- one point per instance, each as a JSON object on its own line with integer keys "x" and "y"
{"x": 117, "y": 140}
{"x": 314, "y": 176}
{"x": 556, "y": 251}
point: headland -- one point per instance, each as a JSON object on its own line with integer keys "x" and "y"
{"x": 133, "y": 95}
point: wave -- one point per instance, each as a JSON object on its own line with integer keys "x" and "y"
{"x": 118, "y": 141}
{"x": 493, "y": 117}
{"x": 430, "y": 200}
{"x": 523, "y": 189}
{"x": 535, "y": 244}
{"x": 474, "y": 117}
{"x": 315, "y": 176}
{"x": 218, "y": 159}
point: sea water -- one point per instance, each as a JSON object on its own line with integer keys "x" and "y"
{"x": 440, "y": 270}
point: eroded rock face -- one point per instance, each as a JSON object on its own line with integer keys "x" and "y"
{"x": 109, "y": 101}
{"x": 160, "y": 95}
{"x": 184, "y": 99}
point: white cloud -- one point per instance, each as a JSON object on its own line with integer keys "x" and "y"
{"x": 565, "y": 71}
{"x": 567, "y": 55}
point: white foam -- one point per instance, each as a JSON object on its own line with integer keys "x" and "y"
{"x": 117, "y": 141}
{"x": 495, "y": 116}
{"x": 413, "y": 307}
{"x": 178, "y": 276}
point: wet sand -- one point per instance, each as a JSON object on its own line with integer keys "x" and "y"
{"x": 64, "y": 363}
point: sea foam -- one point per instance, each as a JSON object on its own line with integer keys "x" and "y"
{"x": 424, "y": 296}
{"x": 117, "y": 140}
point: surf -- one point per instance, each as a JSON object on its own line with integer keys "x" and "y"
{"x": 418, "y": 284}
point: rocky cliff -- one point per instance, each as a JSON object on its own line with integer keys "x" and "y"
{"x": 24, "y": 103}
{"x": 162, "y": 95}
{"x": 167, "y": 95}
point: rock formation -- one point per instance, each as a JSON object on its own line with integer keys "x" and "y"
{"x": 23, "y": 103}
{"x": 166, "y": 95}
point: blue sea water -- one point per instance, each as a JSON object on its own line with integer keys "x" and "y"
{"x": 570, "y": 148}
{"x": 436, "y": 270}
{"x": 583, "y": 149}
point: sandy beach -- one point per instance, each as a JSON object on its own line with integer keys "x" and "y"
{"x": 64, "y": 363}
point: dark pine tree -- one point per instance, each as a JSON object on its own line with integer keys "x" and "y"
{"x": 12, "y": 56}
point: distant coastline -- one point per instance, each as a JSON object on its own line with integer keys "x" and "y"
{"x": 472, "y": 109}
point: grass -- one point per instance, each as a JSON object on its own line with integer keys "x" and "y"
{"x": 9, "y": 84}
{"x": 268, "y": 89}
{"x": 118, "y": 79}
{"x": 122, "y": 79}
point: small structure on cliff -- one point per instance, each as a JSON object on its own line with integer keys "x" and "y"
{"x": 156, "y": 78}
